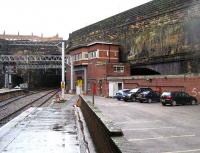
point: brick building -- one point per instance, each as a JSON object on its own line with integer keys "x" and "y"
{"x": 93, "y": 63}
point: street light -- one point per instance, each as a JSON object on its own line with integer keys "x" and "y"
{"x": 63, "y": 72}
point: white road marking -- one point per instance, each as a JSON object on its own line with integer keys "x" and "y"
{"x": 144, "y": 129}
{"x": 184, "y": 151}
{"x": 173, "y": 136}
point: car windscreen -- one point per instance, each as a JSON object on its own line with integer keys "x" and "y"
{"x": 166, "y": 94}
{"x": 126, "y": 91}
{"x": 134, "y": 90}
{"x": 145, "y": 92}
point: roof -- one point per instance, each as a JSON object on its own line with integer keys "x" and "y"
{"x": 93, "y": 43}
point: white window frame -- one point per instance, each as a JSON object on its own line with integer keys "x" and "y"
{"x": 93, "y": 54}
{"x": 118, "y": 68}
{"x": 84, "y": 54}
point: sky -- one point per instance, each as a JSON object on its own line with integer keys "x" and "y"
{"x": 51, "y": 17}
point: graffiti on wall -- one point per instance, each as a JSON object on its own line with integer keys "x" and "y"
{"x": 195, "y": 92}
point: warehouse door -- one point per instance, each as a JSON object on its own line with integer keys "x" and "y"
{"x": 114, "y": 87}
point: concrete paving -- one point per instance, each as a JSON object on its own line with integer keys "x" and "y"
{"x": 153, "y": 128}
{"x": 42, "y": 130}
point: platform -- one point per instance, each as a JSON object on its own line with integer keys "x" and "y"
{"x": 6, "y": 93}
{"x": 42, "y": 130}
{"x": 6, "y": 90}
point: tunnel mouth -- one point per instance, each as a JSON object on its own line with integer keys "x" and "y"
{"x": 17, "y": 80}
{"x": 50, "y": 81}
{"x": 143, "y": 71}
{"x": 50, "y": 78}
{"x": 37, "y": 79}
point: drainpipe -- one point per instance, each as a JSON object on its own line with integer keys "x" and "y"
{"x": 85, "y": 79}
{"x": 109, "y": 53}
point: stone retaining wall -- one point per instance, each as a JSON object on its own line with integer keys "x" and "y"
{"x": 10, "y": 94}
{"x": 107, "y": 137}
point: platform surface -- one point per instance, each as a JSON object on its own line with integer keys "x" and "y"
{"x": 6, "y": 90}
{"x": 41, "y": 130}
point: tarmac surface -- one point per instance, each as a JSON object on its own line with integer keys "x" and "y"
{"x": 50, "y": 129}
{"x": 153, "y": 128}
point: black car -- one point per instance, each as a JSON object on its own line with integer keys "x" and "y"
{"x": 177, "y": 98}
{"x": 131, "y": 96}
{"x": 121, "y": 94}
{"x": 149, "y": 96}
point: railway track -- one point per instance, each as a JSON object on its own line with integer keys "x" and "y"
{"x": 10, "y": 100}
{"x": 10, "y": 109}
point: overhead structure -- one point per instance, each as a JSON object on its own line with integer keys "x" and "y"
{"x": 34, "y": 61}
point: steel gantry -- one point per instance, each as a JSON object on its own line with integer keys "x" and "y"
{"x": 35, "y": 61}
{"x": 34, "y": 43}
{"x": 8, "y": 63}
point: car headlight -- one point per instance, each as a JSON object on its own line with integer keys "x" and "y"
{"x": 129, "y": 95}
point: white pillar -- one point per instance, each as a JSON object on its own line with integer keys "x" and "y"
{"x": 85, "y": 79}
{"x": 63, "y": 71}
{"x": 6, "y": 80}
{"x": 9, "y": 80}
{"x": 72, "y": 77}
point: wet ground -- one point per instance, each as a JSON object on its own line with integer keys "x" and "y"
{"x": 50, "y": 129}
{"x": 153, "y": 128}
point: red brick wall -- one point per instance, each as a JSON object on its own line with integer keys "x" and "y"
{"x": 110, "y": 69}
{"x": 98, "y": 69}
{"x": 190, "y": 84}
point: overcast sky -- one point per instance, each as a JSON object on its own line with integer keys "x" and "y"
{"x": 57, "y": 16}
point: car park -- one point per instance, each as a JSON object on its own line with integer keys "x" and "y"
{"x": 177, "y": 98}
{"x": 121, "y": 94}
{"x": 149, "y": 96}
{"x": 131, "y": 96}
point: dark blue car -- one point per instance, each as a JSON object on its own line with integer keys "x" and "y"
{"x": 149, "y": 96}
{"x": 121, "y": 94}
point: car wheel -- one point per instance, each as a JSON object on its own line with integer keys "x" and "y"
{"x": 173, "y": 103}
{"x": 149, "y": 100}
{"x": 163, "y": 104}
{"x": 118, "y": 98}
{"x": 193, "y": 102}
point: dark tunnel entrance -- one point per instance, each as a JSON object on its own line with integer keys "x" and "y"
{"x": 17, "y": 80}
{"x": 143, "y": 71}
{"x": 36, "y": 79}
{"x": 50, "y": 78}
{"x": 50, "y": 81}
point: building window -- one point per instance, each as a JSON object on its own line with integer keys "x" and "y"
{"x": 77, "y": 57}
{"x": 119, "y": 69}
{"x": 85, "y": 55}
{"x": 93, "y": 54}
{"x": 74, "y": 57}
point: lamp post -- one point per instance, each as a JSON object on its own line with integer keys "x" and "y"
{"x": 71, "y": 73}
{"x": 63, "y": 72}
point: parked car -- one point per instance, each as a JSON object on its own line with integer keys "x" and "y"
{"x": 149, "y": 96}
{"x": 131, "y": 96}
{"x": 177, "y": 98}
{"x": 121, "y": 94}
